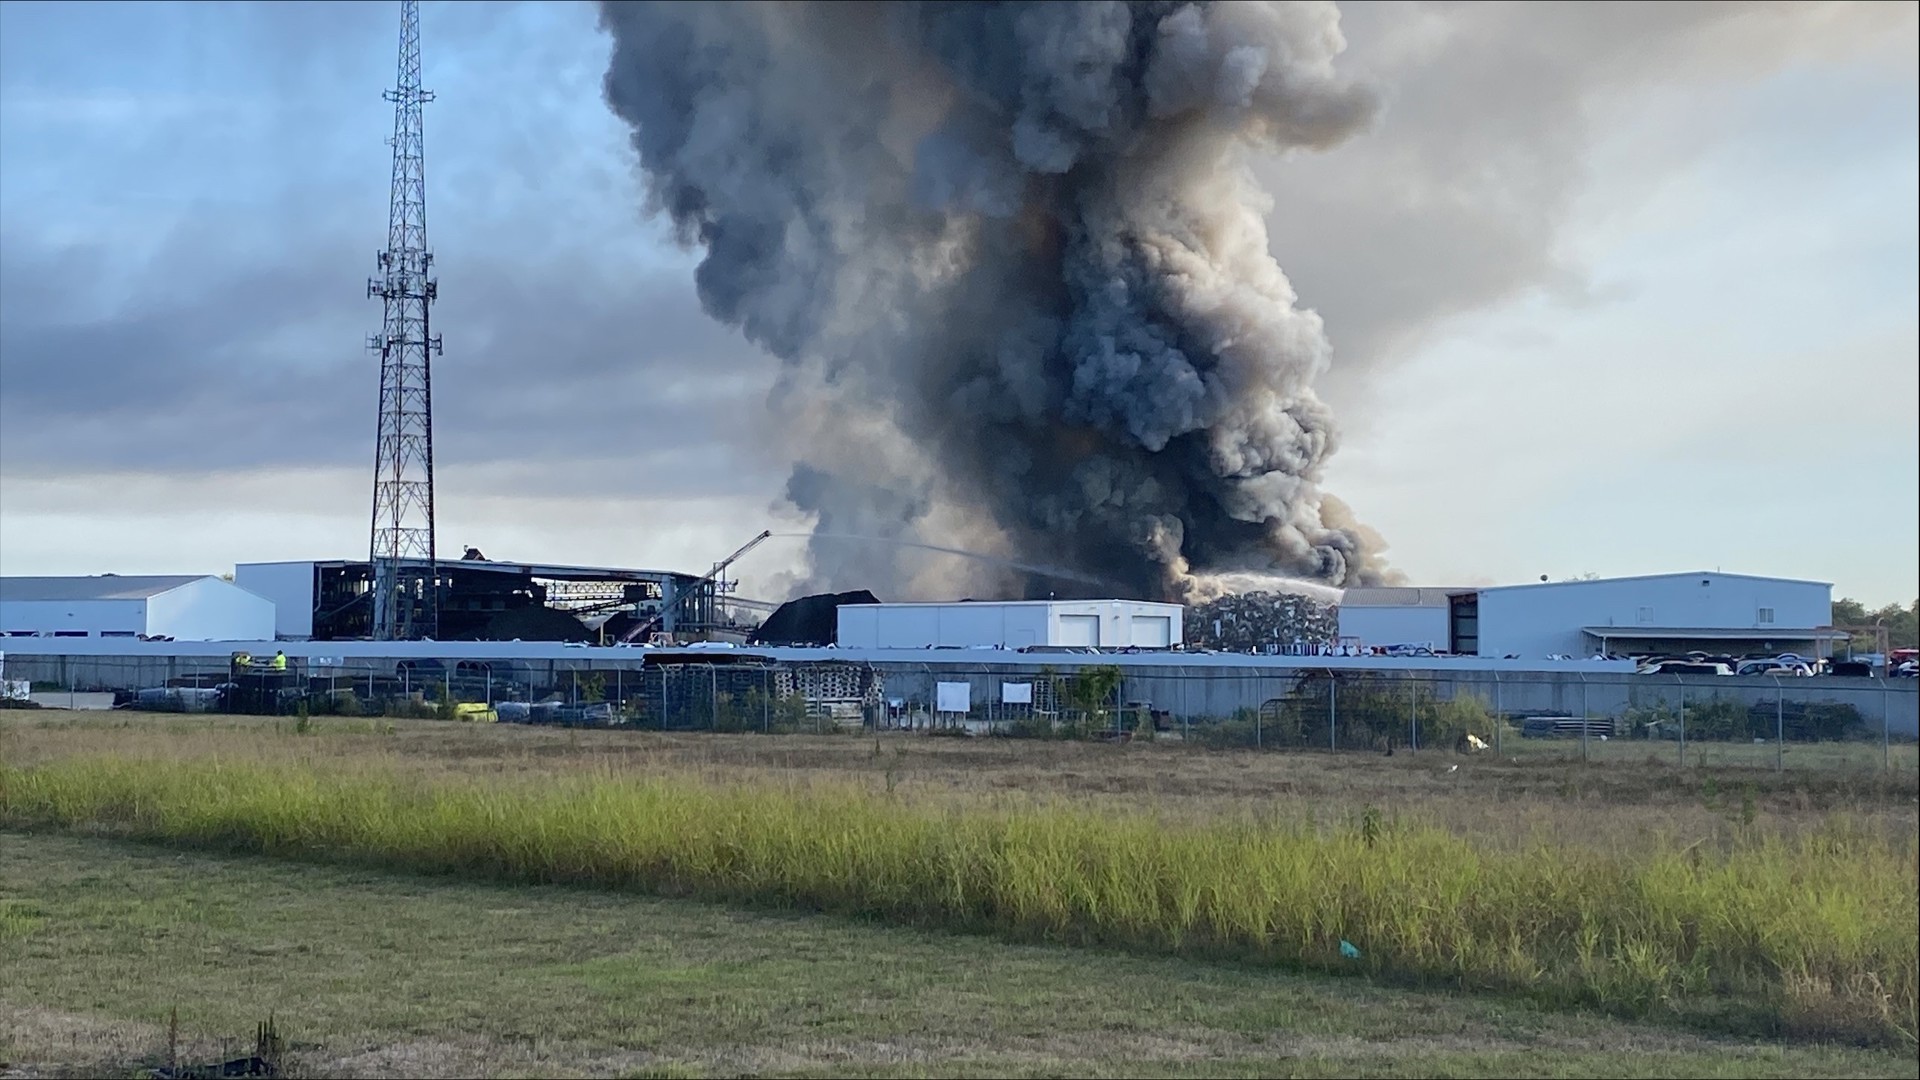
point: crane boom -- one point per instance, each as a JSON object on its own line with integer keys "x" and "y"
{"x": 719, "y": 568}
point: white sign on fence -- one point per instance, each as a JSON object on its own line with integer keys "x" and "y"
{"x": 1016, "y": 693}
{"x": 953, "y": 697}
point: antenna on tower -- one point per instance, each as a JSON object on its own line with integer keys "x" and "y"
{"x": 406, "y": 601}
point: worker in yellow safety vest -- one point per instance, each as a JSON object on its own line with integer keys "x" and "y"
{"x": 279, "y": 661}
{"x": 243, "y": 660}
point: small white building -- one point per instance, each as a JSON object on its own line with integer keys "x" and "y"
{"x": 1012, "y": 624}
{"x": 291, "y": 586}
{"x": 1657, "y": 613}
{"x": 185, "y": 607}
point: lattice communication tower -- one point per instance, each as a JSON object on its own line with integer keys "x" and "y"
{"x": 405, "y": 566}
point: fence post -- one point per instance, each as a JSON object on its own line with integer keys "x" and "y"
{"x": 1683, "y": 721}
{"x": 1779, "y": 726}
{"x": 1333, "y": 712}
{"x": 1413, "y": 714}
{"x": 1584, "y": 752}
{"x": 1886, "y": 721}
{"x": 1499, "y": 714}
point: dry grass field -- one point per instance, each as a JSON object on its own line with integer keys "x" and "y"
{"x": 293, "y": 868}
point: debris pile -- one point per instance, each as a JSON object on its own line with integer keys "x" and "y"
{"x": 810, "y": 620}
{"x": 535, "y": 623}
{"x": 1260, "y": 621}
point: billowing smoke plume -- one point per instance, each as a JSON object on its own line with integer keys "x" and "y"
{"x": 1016, "y": 263}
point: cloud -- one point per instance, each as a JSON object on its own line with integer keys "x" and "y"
{"x": 232, "y": 334}
{"x": 191, "y": 196}
{"x": 1459, "y": 198}
{"x": 168, "y": 522}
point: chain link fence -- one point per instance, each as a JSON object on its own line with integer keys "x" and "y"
{"x": 1779, "y": 723}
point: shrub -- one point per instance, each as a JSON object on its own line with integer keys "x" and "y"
{"x": 1242, "y": 729}
{"x": 1719, "y": 719}
{"x": 758, "y": 710}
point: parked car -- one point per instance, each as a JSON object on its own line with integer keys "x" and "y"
{"x": 1686, "y": 667}
{"x": 1773, "y": 667}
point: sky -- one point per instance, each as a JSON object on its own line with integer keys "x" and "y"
{"x": 1612, "y": 289}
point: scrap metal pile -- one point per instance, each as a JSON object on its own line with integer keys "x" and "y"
{"x": 1255, "y": 621}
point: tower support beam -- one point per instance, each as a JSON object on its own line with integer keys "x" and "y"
{"x": 402, "y": 551}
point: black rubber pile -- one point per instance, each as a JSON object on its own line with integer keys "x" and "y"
{"x": 810, "y": 620}
{"x": 536, "y": 624}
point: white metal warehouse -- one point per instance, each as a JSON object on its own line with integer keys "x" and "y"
{"x": 185, "y": 607}
{"x": 1013, "y": 624}
{"x": 1656, "y": 613}
{"x": 1411, "y": 617}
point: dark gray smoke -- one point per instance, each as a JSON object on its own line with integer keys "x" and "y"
{"x": 1015, "y": 261}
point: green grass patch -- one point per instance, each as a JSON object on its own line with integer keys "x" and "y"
{"x": 1807, "y": 934}
{"x": 371, "y": 973}
{"x": 18, "y": 918}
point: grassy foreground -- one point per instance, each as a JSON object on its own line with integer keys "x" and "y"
{"x": 1808, "y": 934}
{"x": 372, "y": 974}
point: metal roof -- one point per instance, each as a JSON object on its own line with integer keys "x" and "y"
{"x": 540, "y": 570}
{"x": 1399, "y": 597}
{"x": 926, "y": 660}
{"x": 104, "y": 587}
{"x": 1658, "y": 577}
{"x": 1716, "y": 633}
{"x": 1009, "y": 603}
{"x": 1431, "y": 596}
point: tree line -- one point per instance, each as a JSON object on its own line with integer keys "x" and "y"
{"x": 1902, "y": 623}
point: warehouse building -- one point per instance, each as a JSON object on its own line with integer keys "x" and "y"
{"x": 1655, "y": 614}
{"x": 1014, "y": 624}
{"x": 1405, "y": 618}
{"x": 482, "y": 599}
{"x": 182, "y": 607}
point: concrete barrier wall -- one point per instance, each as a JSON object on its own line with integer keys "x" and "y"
{"x": 1213, "y": 688}
{"x": 1216, "y": 693}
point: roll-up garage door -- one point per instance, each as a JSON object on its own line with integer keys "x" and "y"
{"x": 1152, "y": 631}
{"x": 1079, "y": 629}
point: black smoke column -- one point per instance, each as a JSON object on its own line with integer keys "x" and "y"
{"x": 1015, "y": 262}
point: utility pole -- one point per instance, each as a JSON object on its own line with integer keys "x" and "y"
{"x": 406, "y": 599}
